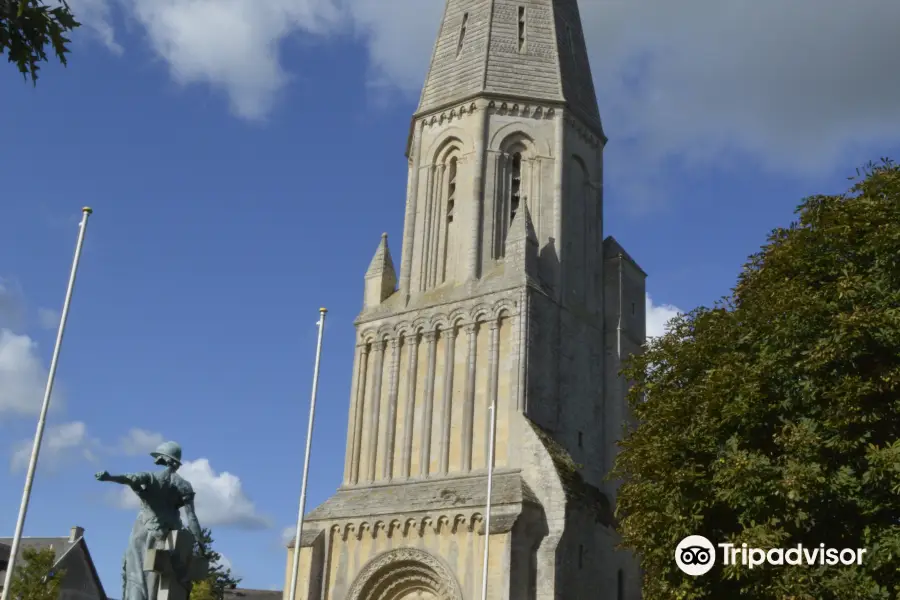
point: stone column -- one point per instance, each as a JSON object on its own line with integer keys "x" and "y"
{"x": 436, "y": 225}
{"x": 426, "y": 226}
{"x": 389, "y": 435}
{"x": 493, "y": 371}
{"x": 409, "y": 223}
{"x": 409, "y": 414}
{"x": 447, "y": 400}
{"x": 469, "y": 405}
{"x": 474, "y": 266}
{"x": 351, "y": 413}
{"x": 374, "y": 413}
{"x": 425, "y": 442}
{"x": 559, "y": 193}
{"x": 359, "y": 414}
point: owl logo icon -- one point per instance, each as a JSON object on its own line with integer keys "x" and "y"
{"x": 695, "y": 555}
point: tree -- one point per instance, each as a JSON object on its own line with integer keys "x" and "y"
{"x": 35, "y": 577}
{"x": 773, "y": 418}
{"x": 31, "y": 28}
{"x": 220, "y": 578}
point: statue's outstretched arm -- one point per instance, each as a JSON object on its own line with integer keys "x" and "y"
{"x": 133, "y": 480}
{"x": 193, "y": 525}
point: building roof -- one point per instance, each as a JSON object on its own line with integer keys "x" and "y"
{"x": 62, "y": 547}
{"x": 479, "y": 51}
{"x": 242, "y": 594}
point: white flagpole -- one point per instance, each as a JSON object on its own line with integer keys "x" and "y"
{"x": 487, "y": 511}
{"x": 309, "y": 432}
{"x": 42, "y": 419}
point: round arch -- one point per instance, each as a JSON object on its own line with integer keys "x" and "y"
{"x": 405, "y": 574}
{"x": 519, "y": 133}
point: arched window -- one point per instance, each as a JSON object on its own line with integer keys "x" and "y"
{"x": 448, "y": 239}
{"x": 515, "y": 162}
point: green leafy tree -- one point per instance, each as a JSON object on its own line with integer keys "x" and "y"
{"x": 773, "y": 418}
{"x": 35, "y": 577}
{"x": 220, "y": 578}
{"x": 29, "y": 29}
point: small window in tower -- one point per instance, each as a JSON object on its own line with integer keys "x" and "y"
{"x": 620, "y": 586}
{"x": 462, "y": 34}
{"x": 521, "y": 29}
{"x": 580, "y": 556}
{"x": 515, "y": 186}
{"x": 580, "y": 440}
{"x": 633, "y": 307}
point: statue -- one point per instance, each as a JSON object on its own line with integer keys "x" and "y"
{"x": 162, "y": 493}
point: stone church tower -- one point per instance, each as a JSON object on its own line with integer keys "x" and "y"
{"x": 507, "y": 292}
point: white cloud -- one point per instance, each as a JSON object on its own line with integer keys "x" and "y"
{"x": 48, "y": 318}
{"x": 95, "y": 15}
{"x": 220, "y": 498}
{"x": 288, "y": 535}
{"x": 140, "y": 441}
{"x": 658, "y": 315}
{"x": 22, "y": 375}
{"x": 60, "y": 444}
{"x": 12, "y": 309}
{"x": 792, "y": 86}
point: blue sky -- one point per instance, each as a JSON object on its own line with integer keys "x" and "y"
{"x": 242, "y": 164}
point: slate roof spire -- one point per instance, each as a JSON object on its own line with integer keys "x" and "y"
{"x": 528, "y": 49}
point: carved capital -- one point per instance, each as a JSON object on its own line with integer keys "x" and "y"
{"x": 471, "y": 329}
{"x": 394, "y": 343}
{"x": 430, "y": 336}
{"x": 495, "y": 325}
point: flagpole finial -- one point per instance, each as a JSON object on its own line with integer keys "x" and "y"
{"x": 323, "y": 310}
{"x": 87, "y": 209}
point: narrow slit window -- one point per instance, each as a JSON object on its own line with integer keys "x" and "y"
{"x": 521, "y": 29}
{"x": 580, "y": 556}
{"x": 620, "y": 587}
{"x": 515, "y": 187}
{"x": 633, "y": 308}
{"x": 462, "y": 34}
{"x": 580, "y": 440}
{"x": 451, "y": 191}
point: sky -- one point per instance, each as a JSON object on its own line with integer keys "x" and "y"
{"x": 243, "y": 158}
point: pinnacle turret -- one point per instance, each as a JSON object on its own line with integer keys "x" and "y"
{"x": 381, "y": 278}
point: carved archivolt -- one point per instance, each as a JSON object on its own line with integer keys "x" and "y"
{"x": 479, "y": 314}
{"x": 398, "y": 572}
{"x": 469, "y": 521}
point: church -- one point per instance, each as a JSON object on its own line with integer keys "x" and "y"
{"x": 507, "y": 296}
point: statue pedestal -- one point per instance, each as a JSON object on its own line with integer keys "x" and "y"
{"x": 176, "y": 566}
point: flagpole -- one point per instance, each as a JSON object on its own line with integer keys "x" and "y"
{"x": 42, "y": 419}
{"x": 487, "y": 512}
{"x": 309, "y": 432}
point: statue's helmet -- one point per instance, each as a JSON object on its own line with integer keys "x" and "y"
{"x": 168, "y": 450}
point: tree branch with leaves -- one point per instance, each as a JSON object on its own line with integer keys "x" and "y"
{"x": 35, "y": 578}
{"x": 29, "y": 29}
{"x": 773, "y": 418}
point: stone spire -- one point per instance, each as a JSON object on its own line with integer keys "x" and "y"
{"x": 381, "y": 279}
{"x": 533, "y": 50}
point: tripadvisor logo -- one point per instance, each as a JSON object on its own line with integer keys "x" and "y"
{"x": 695, "y": 555}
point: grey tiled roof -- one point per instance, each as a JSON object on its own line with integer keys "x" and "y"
{"x": 60, "y": 546}
{"x": 242, "y": 594}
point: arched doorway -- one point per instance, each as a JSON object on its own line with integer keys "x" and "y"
{"x": 405, "y": 574}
